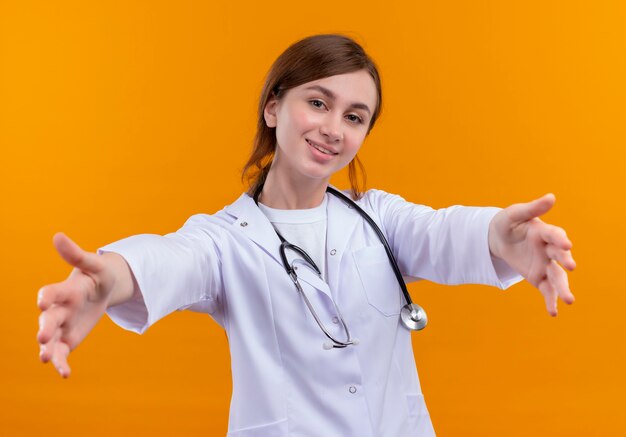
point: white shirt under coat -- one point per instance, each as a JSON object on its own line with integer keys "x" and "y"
{"x": 284, "y": 383}
{"x": 305, "y": 228}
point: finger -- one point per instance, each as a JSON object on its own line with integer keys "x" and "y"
{"x": 522, "y": 212}
{"x": 74, "y": 255}
{"x": 52, "y": 294}
{"x": 563, "y": 257}
{"x": 46, "y": 350}
{"x": 554, "y": 235}
{"x": 549, "y": 295}
{"x": 50, "y": 321}
{"x": 537, "y": 269}
{"x": 59, "y": 359}
{"x": 558, "y": 279}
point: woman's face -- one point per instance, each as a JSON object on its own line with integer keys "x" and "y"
{"x": 321, "y": 125}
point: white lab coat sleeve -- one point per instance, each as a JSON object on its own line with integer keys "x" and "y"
{"x": 447, "y": 246}
{"x": 173, "y": 272}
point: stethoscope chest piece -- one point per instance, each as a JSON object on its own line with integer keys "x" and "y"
{"x": 413, "y": 317}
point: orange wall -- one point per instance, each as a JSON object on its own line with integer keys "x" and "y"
{"x": 119, "y": 118}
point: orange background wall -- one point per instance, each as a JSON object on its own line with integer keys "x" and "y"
{"x": 119, "y": 118}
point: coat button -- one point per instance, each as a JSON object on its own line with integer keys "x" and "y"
{"x": 332, "y": 252}
{"x": 335, "y": 320}
{"x": 243, "y": 224}
{"x": 352, "y": 389}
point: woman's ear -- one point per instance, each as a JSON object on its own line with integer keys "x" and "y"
{"x": 269, "y": 113}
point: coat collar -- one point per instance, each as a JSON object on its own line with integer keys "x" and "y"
{"x": 341, "y": 221}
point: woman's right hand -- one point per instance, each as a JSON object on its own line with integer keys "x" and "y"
{"x": 70, "y": 309}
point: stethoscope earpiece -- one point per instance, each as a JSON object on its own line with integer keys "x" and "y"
{"x": 328, "y": 345}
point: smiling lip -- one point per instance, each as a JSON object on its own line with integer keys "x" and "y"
{"x": 320, "y": 146}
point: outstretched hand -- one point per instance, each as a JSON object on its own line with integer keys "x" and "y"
{"x": 538, "y": 251}
{"x": 70, "y": 309}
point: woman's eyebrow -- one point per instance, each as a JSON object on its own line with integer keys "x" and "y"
{"x": 328, "y": 93}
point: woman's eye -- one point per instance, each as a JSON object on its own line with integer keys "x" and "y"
{"x": 317, "y": 103}
{"x": 354, "y": 118}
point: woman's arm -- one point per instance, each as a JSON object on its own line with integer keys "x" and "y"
{"x": 70, "y": 309}
{"x": 460, "y": 245}
{"x": 446, "y": 245}
{"x": 136, "y": 280}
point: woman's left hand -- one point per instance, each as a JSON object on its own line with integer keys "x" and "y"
{"x": 536, "y": 250}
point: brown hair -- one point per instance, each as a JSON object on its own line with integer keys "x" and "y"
{"x": 312, "y": 58}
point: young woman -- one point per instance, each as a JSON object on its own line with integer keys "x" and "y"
{"x": 297, "y": 276}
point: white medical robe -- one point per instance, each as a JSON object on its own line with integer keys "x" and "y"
{"x": 284, "y": 382}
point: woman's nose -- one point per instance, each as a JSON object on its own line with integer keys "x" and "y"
{"x": 331, "y": 129}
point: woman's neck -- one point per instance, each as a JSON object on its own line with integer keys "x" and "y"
{"x": 282, "y": 192}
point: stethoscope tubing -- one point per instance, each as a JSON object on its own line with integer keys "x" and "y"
{"x": 381, "y": 237}
{"x": 412, "y": 315}
{"x": 335, "y": 343}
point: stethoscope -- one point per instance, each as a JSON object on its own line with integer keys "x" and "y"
{"x": 412, "y": 315}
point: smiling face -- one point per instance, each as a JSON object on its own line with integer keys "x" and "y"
{"x": 321, "y": 125}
